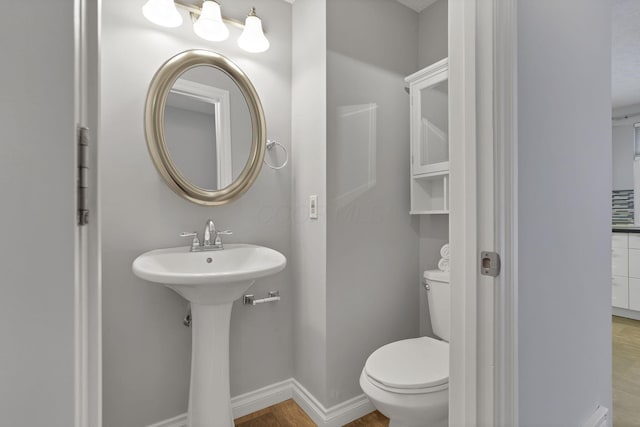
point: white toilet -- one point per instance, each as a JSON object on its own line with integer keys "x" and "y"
{"x": 408, "y": 380}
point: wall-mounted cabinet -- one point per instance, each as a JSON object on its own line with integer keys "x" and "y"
{"x": 429, "y": 98}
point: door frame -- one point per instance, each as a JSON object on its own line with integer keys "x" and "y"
{"x": 483, "y": 72}
{"x": 483, "y": 213}
{"x": 505, "y": 77}
{"x": 87, "y": 290}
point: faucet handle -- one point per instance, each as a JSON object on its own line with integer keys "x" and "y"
{"x": 217, "y": 240}
{"x": 195, "y": 243}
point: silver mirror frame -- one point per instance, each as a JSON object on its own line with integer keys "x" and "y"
{"x": 159, "y": 88}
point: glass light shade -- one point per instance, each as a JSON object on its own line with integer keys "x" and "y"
{"x": 209, "y": 25}
{"x": 162, "y": 12}
{"x": 252, "y": 38}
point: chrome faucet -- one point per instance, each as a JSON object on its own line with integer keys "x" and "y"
{"x": 209, "y": 229}
{"x": 211, "y": 239}
{"x": 212, "y": 236}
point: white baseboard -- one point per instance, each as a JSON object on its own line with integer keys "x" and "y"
{"x": 264, "y": 397}
{"x": 335, "y": 416}
{"x": 600, "y": 418}
{"x": 629, "y": 314}
{"x": 244, "y": 404}
{"x": 179, "y": 421}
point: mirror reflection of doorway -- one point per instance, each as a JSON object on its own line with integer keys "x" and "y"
{"x": 625, "y": 218}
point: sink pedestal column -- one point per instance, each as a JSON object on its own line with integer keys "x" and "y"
{"x": 209, "y": 395}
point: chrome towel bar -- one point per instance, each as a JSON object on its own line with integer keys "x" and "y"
{"x": 251, "y": 300}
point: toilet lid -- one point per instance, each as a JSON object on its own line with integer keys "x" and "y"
{"x": 437, "y": 276}
{"x": 410, "y": 364}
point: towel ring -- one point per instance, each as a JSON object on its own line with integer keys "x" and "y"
{"x": 270, "y": 145}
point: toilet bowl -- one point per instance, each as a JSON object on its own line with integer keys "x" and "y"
{"x": 408, "y": 380}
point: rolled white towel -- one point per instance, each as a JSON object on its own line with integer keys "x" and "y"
{"x": 443, "y": 264}
{"x": 444, "y": 251}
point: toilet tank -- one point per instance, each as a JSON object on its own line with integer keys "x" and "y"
{"x": 439, "y": 297}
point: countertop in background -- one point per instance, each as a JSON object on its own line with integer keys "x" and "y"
{"x": 622, "y": 228}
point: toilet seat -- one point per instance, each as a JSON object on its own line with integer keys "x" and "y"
{"x": 413, "y": 366}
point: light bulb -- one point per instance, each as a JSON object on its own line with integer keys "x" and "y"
{"x": 162, "y": 12}
{"x": 209, "y": 25}
{"x": 252, "y": 38}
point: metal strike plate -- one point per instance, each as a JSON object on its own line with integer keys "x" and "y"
{"x": 489, "y": 264}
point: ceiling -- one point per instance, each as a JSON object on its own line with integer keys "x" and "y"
{"x": 417, "y": 5}
{"x": 625, "y": 67}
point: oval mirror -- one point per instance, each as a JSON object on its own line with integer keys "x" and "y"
{"x": 205, "y": 128}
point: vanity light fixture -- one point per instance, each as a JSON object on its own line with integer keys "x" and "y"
{"x": 162, "y": 12}
{"x": 209, "y": 23}
{"x": 252, "y": 38}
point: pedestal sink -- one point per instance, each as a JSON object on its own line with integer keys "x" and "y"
{"x": 210, "y": 281}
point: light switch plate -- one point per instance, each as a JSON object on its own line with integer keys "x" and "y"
{"x": 313, "y": 207}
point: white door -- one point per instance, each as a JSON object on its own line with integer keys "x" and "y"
{"x": 41, "y": 302}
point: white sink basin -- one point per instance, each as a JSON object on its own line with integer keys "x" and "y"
{"x": 211, "y": 281}
{"x": 214, "y": 277}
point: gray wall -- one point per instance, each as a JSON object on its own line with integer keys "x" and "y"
{"x": 146, "y": 348}
{"x": 434, "y": 229}
{"x": 372, "y": 241}
{"x": 309, "y": 133}
{"x": 624, "y": 147}
{"x": 433, "y": 34}
{"x": 564, "y": 165}
{"x": 434, "y": 232}
{"x": 37, "y": 180}
{"x": 337, "y": 63}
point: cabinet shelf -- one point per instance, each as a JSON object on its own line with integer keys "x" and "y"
{"x": 432, "y": 175}
{"x": 430, "y": 194}
{"x": 433, "y": 212}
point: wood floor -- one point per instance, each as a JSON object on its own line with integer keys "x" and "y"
{"x": 374, "y": 419}
{"x": 289, "y": 414}
{"x": 626, "y": 372}
{"x": 626, "y": 389}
